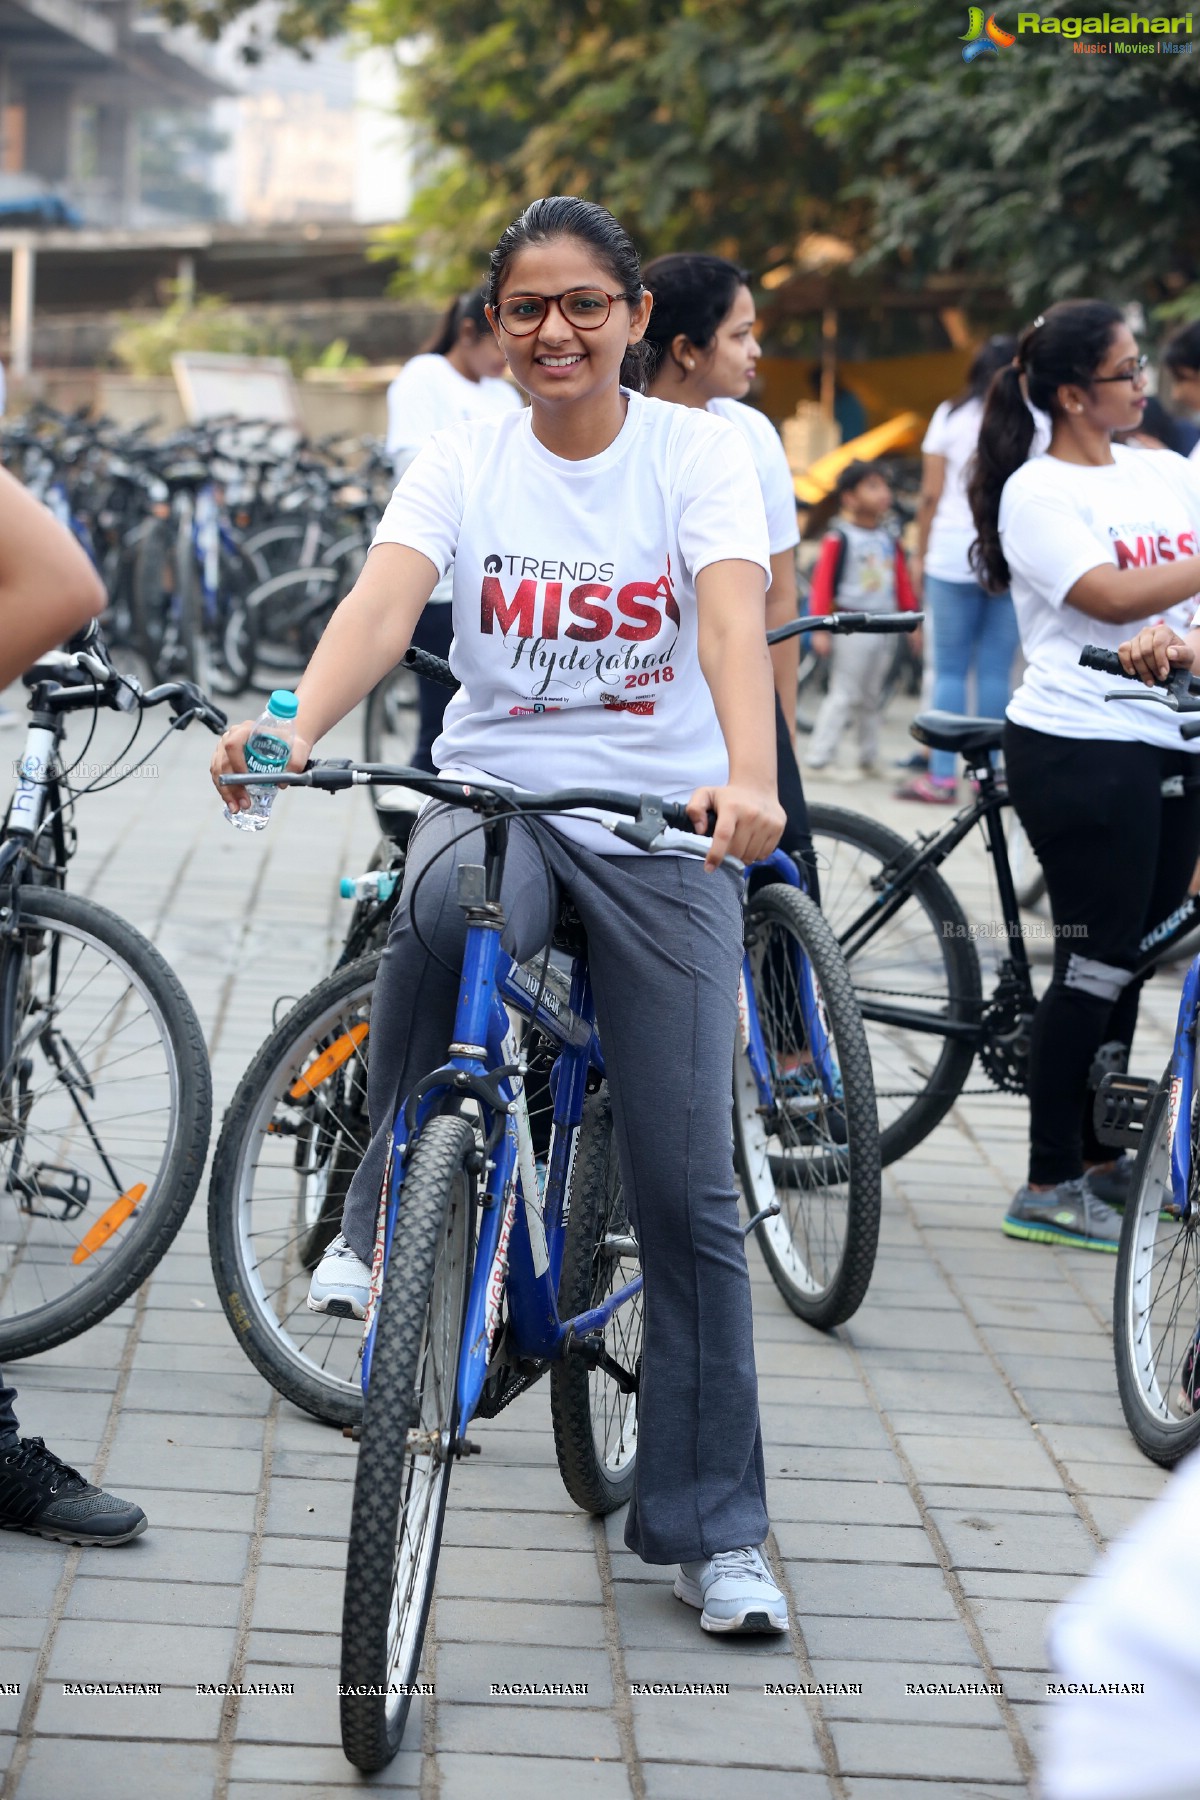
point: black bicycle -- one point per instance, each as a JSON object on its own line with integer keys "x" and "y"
{"x": 105, "y": 1093}
{"x": 915, "y": 958}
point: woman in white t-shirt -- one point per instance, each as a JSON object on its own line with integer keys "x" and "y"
{"x": 971, "y": 629}
{"x": 458, "y": 377}
{"x": 1096, "y": 541}
{"x": 702, "y": 334}
{"x": 610, "y": 566}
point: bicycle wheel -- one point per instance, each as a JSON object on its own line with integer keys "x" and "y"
{"x": 151, "y": 588}
{"x": 392, "y": 718}
{"x": 410, "y": 1424}
{"x": 923, "y": 960}
{"x": 1156, "y": 1300}
{"x": 105, "y": 1112}
{"x": 295, "y": 1132}
{"x": 813, "y": 1150}
{"x": 595, "y": 1423}
{"x": 285, "y": 619}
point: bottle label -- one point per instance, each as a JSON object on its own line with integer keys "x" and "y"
{"x": 266, "y": 755}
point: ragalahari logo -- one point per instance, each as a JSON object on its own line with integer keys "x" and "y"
{"x": 982, "y": 39}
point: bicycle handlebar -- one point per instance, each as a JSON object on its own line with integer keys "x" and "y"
{"x": 85, "y": 674}
{"x": 849, "y": 623}
{"x": 1179, "y": 693}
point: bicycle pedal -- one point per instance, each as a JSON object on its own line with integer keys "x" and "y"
{"x": 1119, "y": 1110}
{"x": 352, "y": 1431}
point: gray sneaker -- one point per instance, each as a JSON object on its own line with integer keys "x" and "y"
{"x": 1067, "y": 1214}
{"x": 1113, "y": 1185}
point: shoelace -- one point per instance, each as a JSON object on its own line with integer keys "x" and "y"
{"x": 32, "y": 1457}
{"x": 741, "y": 1562}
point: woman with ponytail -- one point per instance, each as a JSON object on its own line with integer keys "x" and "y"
{"x": 457, "y": 377}
{"x": 701, "y": 335}
{"x": 1098, "y": 544}
{"x": 611, "y": 562}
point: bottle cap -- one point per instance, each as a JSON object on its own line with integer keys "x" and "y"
{"x": 283, "y": 703}
{"x": 346, "y": 887}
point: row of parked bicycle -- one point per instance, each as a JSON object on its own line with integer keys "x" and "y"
{"x": 861, "y": 1022}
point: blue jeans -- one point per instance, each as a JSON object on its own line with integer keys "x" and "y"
{"x": 969, "y": 626}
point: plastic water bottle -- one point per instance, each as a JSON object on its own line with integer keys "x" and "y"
{"x": 268, "y": 749}
{"x": 380, "y": 884}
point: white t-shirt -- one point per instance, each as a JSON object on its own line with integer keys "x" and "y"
{"x": 774, "y": 475}
{"x": 1057, "y": 521}
{"x": 575, "y": 625}
{"x": 953, "y": 433}
{"x": 427, "y": 395}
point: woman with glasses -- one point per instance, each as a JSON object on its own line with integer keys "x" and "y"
{"x": 610, "y": 562}
{"x": 1097, "y": 542}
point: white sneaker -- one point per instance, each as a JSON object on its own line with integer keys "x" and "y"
{"x": 341, "y": 1282}
{"x": 735, "y": 1591}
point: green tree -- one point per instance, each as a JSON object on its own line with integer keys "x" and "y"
{"x": 742, "y": 127}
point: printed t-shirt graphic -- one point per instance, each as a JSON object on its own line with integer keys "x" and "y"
{"x": 1057, "y": 521}
{"x": 575, "y": 626}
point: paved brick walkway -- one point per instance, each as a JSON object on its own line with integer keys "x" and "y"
{"x": 940, "y": 1469}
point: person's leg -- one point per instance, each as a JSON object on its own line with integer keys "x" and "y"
{"x": 1077, "y": 800}
{"x": 836, "y": 707}
{"x": 997, "y": 646}
{"x": 665, "y": 947}
{"x": 9, "y": 1429}
{"x": 1179, "y": 842}
{"x": 416, "y": 992}
{"x": 877, "y": 657}
{"x": 956, "y": 609}
{"x": 796, "y": 841}
{"x": 435, "y": 633}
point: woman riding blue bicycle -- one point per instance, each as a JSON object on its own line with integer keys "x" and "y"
{"x": 610, "y": 565}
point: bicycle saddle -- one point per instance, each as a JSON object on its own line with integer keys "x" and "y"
{"x": 954, "y": 731}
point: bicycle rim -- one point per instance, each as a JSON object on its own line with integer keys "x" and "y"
{"x": 91, "y": 1128}
{"x": 1157, "y": 1305}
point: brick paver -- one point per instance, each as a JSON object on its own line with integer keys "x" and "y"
{"x": 941, "y": 1468}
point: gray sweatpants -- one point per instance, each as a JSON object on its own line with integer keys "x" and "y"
{"x": 857, "y": 671}
{"x": 664, "y": 950}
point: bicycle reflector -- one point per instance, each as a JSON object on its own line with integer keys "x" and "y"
{"x": 329, "y": 1062}
{"x": 109, "y": 1221}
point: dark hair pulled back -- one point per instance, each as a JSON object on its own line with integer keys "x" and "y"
{"x": 1063, "y": 348}
{"x": 565, "y": 216}
{"x": 693, "y": 292}
{"x": 466, "y": 306}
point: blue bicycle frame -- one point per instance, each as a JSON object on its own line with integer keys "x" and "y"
{"x": 521, "y": 1244}
{"x": 1182, "y": 1088}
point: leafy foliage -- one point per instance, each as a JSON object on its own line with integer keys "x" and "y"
{"x": 741, "y": 128}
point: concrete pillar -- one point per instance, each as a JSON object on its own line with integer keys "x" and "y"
{"x": 117, "y": 159}
{"x": 21, "y": 311}
{"x": 51, "y": 130}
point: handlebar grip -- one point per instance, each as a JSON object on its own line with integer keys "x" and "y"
{"x": 1190, "y": 729}
{"x": 1107, "y": 662}
{"x": 677, "y": 816}
{"x": 430, "y": 668}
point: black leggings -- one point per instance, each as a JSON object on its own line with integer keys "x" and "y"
{"x": 1118, "y": 858}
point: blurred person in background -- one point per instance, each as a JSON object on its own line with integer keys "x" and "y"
{"x": 458, "y": 377}
{"x": 48, "y": 591}
{"x": 1181, "y": 359}
{"x": 701, "y": 333}
{"x": 971, "y": 631}
{"x": 861, "y": 568}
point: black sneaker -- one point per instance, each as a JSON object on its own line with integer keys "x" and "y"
{"x": 42, "y": 1494}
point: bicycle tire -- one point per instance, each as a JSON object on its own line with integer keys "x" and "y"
{"x": 925, "y": 955}
{"x": 394, "y": 1480}
{"x": 586, "y": 1405}
{"x": 392, "y": 711}
{"x": 149, "y": 597}
{"x": 122, "y": 1263}
{"x": 1163, "y": 1425}
{"x": 288, "y": 615}
{"x": 822, "y": 1163}
{"x": 325, "y": 1383}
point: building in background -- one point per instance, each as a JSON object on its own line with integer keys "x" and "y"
{"x": 78, "y": 79}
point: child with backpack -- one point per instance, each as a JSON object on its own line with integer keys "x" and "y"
{"x": 861, "y": 568}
